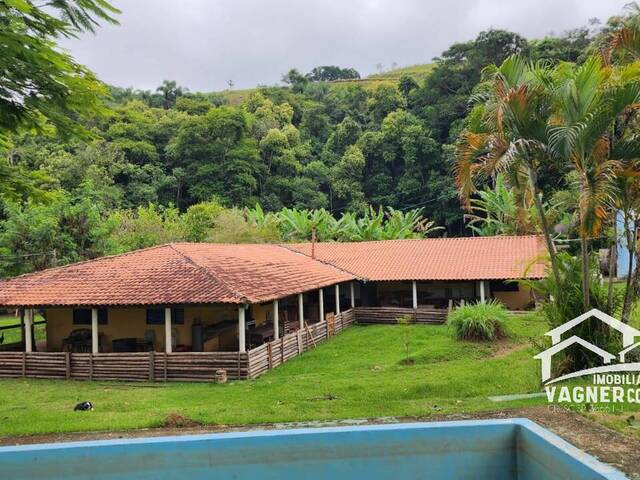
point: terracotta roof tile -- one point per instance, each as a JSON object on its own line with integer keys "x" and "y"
{"x": 468, "y": 258}
{"x": 262, "y": 272}
{"x": 192, "y": 273}
{"x": 175, "y": 274}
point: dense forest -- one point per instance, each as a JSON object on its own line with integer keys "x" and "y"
{"x": 105, "y": 169}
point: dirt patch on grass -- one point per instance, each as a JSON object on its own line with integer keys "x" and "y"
{"x": 621, "y": 451}
{"x": 406, "y": 362}
{"x": 174, "y": 421}
{"x": 502, "y": 348}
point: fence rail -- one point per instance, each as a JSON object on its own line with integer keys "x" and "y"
{"x": 390, "y": 315}
{"x": 272, "y": 354}
{"x": 200, "y": 366}
{"x": 188, "y": 367}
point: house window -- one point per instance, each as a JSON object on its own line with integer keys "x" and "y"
{"x": 500, "y": 286}
{"x": 155, "y": 316}
{"x": 82, "y": 316}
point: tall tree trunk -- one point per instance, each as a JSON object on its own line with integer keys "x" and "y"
{"x": 631, "y": 249}
{"x": 584, "y": 250}
{"x": 635, "y": 285}
{"x": 613, "y": 261}
{"x": 533, "y": 181}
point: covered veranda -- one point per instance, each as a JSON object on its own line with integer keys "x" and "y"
{"x": 192, "y": 311}
{"x": 181, "y": 328}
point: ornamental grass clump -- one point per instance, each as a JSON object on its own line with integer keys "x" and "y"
{"x": 479, "y": 321}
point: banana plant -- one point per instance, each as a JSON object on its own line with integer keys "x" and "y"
{"x": 298, "y": 224}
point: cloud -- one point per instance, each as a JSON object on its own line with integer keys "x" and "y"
{"x": 203, "y": 43}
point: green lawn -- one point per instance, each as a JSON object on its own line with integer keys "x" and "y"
{"x": 13, "y": 335}
{"x": 354, "y": 375}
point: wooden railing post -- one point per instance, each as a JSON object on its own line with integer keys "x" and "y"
{"x": 281, "y": 350}
{"x": 91, "y": 366}
{"x": 152, "y": 366}
{"x": 166, "y": 359}
{"x": 67, "y": 365}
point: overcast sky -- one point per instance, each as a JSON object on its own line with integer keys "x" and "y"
{"x": 203, "y": 43}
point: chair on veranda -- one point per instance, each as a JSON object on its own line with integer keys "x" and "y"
{"x": 150, "y": 340}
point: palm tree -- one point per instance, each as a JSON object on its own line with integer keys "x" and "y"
{"x": 507, "y": 133}
{"x": 625, "y": 40}
{"x": 627, "y": 201}
{"x": 170, "y": 92}
{"x": 624, "y": 45}
{"x": 587, "y": 103}
{"x": 499, "y": 210}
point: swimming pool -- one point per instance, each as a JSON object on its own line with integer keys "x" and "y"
{"x": 487, "y": 449}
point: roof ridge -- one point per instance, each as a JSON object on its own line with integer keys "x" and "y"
{"x": 530, "y": 235}
{"x": 207, "y": 272}
{"x": 82, "y": 262}
{"x": 324, "y": 262}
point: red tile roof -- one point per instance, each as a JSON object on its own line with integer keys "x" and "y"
{"x": 468, "y": 258}
{"x": 180, "y": 273}
{"x": 192, "y": 273}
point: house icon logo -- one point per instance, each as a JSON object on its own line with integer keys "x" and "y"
{"x": 610, "y": 363}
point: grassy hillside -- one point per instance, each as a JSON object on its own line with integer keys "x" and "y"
{"x": 418, "y": 72}
{"x": 360, "y": 373}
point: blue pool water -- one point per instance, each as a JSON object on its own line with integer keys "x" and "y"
{"x": 489, "y": 449}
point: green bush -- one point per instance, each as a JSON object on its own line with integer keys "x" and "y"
{"x": 561, "y": 303}
{"x": 479, "y": 321}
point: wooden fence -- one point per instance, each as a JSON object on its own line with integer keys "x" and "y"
{"x": 389, "y": 315}
{"x": 188, "y": 367}
{"x": 155, "y": 366}
{"x": 272, "y": 354}
{"x": 200, "y": 366}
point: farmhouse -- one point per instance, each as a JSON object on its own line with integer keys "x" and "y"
{"x": 184, "y": 300}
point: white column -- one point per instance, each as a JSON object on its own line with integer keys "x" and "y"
{"x": 301, "y": 310}
{"x": 321, "y": 304}
{"x": 94, "y": 330}
{"x": 241, "y": 345}
{"x": 337, "y": 288}
{"x": 353, "y": 295}
{"x": 482, "y": 299}
{"x": 276, "y": 320}
{"x": 28, "y": 338}
{"x": 414, "y": 288}
{"x": 168, "y": 342}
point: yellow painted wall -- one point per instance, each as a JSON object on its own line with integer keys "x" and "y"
{"x": 131, "y": 323}
{"x": 515, "y": 300}
{"x": 261, "y": 313}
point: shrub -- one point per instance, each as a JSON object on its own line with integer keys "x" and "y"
{"x": 557, "y": 312}
{"x": 479, "y": 321}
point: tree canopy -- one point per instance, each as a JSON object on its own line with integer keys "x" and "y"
{"x": 105, "y": 169}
